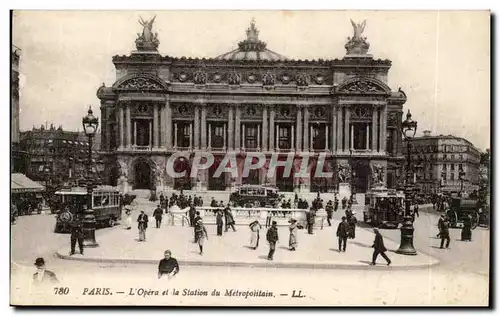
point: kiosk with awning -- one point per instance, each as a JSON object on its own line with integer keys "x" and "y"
{"x": 26, "y": 194}
{"x": 19, "y": 183}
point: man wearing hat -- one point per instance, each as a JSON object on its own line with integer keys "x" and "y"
{"x": 272, "y": 238}
{"x": 352, "y": 221}
{"x": 379, "y": 248}
{"x": 168, "y": 265}
{"x": 440, "y": 221}
{"x": 42, "y": 275}
{"x": 329, "y": 212}
{"x": 143, "y": 225}
{"x": 342, "y": 230}
{"x": 77, "y": 235}
{"x": 158, "y": 214}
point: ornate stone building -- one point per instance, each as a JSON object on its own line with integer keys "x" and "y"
{"x": 250, "y": 100}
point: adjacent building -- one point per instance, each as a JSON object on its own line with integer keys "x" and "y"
{"x": 18, "y": 157}
{"x": 56, "y": 156}
{"x": 251, "y": 99}
{"x": 444, "y": 163}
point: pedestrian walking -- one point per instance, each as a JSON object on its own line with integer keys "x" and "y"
{"x": 344, "y": 202}
{"x": 42, "y": 275}
{"x": 128, "y": 219}
{"x": 229, "y": 219}
{"x": 272, "y": 238}
{"x": 466, "y": 234}
{"x": 311, "y": 218}
{"x": 143, "y": 225}
{"x": 415, "y": 210}
{"x": 219, "y": 220}
{"x": 352, "y": 221}
{"x": 201, "y": 233}
{"x": 379, "y": 248}
{"x": 342, "y": 230}
{"x": 168, "y": 266}
{"x": 255, "y": 234}
{"x": 294, "y": 229}
{"x": 445, "y": 233}
{"x": 192, "y": 215}
{"x": 440, "y": 221}
{"x": 158, "y": 214}
{"x": 336, "y": 204}
{"x": 329, "y": 212}
{"x": 196, "y": 219}
{"x": 77, "y": 235}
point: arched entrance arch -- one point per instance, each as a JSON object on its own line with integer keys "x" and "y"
{"x": 143, "y": 175}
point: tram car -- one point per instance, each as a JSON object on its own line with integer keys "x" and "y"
{"x": 255, "y": 196}
{"x": 460, "y": 210}
{"x": 105, "y": 204}
{"x": 384, "y": 208}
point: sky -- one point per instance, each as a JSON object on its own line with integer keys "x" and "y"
{"x": 441, "y": 59}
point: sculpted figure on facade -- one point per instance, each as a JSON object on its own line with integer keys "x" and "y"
{"x": 357, "y": 44}
{"x": 200, "y": 77}
{"x": 123, "y": 169}
{"x": 147, "y": 40}
{"x": 344, "y": 173}
{"x": 159, "y": 173}
{"x": 268, "y": 79}
{"x": 377, "y": 174}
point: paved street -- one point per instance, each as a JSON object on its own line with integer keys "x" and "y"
{"x": 459, "y": 279}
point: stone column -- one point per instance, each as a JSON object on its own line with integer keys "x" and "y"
{"x": 224, "y": 146}
{"x": 374, "y": 129}
{"x": 305, "y": 143}
{"x": 293, "y": 137}
{"x": 264, "y": 135}
{"x": 168, "y": 124}
{"x": 394, "y": 140}
{"x": 129, "y": 127}
{"x": 367, "y": 136}
{"x": 339, "y": 129}
{"x": 203, "y": 126}
{"x": 243, "y": 143}
{"x": 196, "y": 127}
{"x": 191, "y": 135}
{"x": 347, "y": 120}
{"x": 209, "y": 136}
{"x": 175, "y": 135}
{"x": 163, "y": 121}
{"x": 271, "y": 129}
{"x": 383, "y": 129}
{"x": 334, "y": 128}
{"x": 258, "y": 138}
{"x": 155, "y": 126}
{"x": 352, "y": 138}
{"x": 398, "y": 132}
{"x": 326, "y": 141}
{"x": 230, "y": 129}
{"x": 276, "y": 137}
{"x": 150, "y": 134}
{"x": 237, "y": 141}
{"x": 122, "y": 130}
{"x": 311, "y": 147}
{"x": 298, "y": 124}
{"x": 134, "y": 143}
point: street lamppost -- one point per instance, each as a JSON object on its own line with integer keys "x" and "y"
{"x": 461, "y": 177}
{"x": 90, "y": 124}
{"x": 408, "y": 129}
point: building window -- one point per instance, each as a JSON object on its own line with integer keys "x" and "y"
{"x": 452, "y": 176}
{"x": 318, "y": 136}
{"x": 284, "y": 137}
{"x": 360, "y": 137}
{"x": 452, "y": 167}
{"x": 461, "y": 157}
{"x": 444, "y": 157}
{"x": 183, "y": 132}
{"x": 390, "y": 143}
{"x": 217, "y": 137}
{"x": 251, "y": 136}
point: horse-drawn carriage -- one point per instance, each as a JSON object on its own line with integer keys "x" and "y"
{"x": 255, "y": 196}
{"x": 462, "y": 210}
{"x": 384, "y": 208}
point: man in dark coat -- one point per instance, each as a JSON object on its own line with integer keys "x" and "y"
{"x": 415, "y": 210}
{"x": 192, "y": 214}
{"x": 77, "y": 235}
{"x": 43, "y": 276}
{"x": 142, "y": 221}
{"x": 466, "y": 234}
{"x": 158, "y": 214}
{"x": 329, "y": 212}
{"x": 379, "y": 248}
{"x": 440, "y": 221}
{"x": 219, "y": 221}
{"x": 272, "y": 238}
{"x": 213, "y": 203}
{"x": 195, "y": 223}
{"x": 229, "y": 219}
{"x": 342, "y": 234}
{"x": 351, "y": 223}
{"x": 168, "y": 265}
{"x": 344, "y": 202}
{"x": 336, "y": 204}
{"x": 311, "y": 218}
{"x": 445, "y": 233}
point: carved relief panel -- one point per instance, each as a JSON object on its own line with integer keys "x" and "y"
{"x": 361, "y": 113}
{"x": 217, "y": 111}
{"x": 142, "y": 109}
{"x": 286, "y": 112}
{"x": 183, "y": 110}
{"x": 252, "y": 111}
{"x": 319, "y": 112}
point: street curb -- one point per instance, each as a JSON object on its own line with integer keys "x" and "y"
{"x": 194, "y": 263}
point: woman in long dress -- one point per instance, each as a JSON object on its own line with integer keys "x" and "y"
{"x": 255, "y": 237}
{"x": 128, "y": 219}
{"x": 202, "y": 234}
{"x": 292, "y": 242}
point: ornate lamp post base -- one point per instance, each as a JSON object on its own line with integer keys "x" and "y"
{"x": 89, "y": 229}
{"x": 406, "y": 246}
